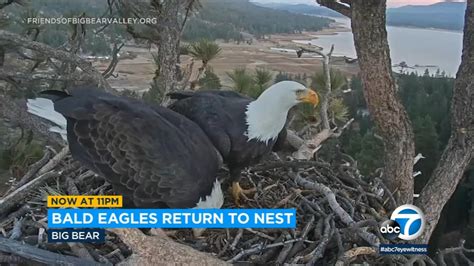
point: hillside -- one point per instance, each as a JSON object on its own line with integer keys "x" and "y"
{"x": 216, "y": 19}
{"x": 302, "y": 9}
{"x": 444, "y": 15}
{"x": 226, "y": 19}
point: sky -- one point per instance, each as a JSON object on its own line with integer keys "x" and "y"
{"x": 391, "y": 3}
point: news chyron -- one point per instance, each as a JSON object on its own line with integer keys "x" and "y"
{"x": 85, "y": 218}
{"x": 406, "y": 223}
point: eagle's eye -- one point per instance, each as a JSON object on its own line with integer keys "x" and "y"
{"x": 299, "y": 92}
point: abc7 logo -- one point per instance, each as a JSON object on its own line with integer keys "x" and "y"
{"x": 407, "y": 222}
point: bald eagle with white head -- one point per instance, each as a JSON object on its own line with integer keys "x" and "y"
{"x": 153, "y": 156}
{"x": 243, "y": 129}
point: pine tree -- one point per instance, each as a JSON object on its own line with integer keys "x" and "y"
{"x": 243, "y": 82}
{"x": 426, "y": 143}
{"x": 210, "y": 81}
{"x": 262, "y": 79}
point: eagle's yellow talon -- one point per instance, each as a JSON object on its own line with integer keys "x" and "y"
{"x": 237, "y": 191}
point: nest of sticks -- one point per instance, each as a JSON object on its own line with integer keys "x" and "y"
{"x": 338, "y": 216}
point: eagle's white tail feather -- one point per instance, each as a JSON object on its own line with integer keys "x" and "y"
{"x": 44, "y": 108}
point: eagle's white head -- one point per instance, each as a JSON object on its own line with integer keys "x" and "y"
{"x": 266, "y": 116}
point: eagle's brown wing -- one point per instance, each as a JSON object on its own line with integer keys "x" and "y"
{"x": 153, "y": 156}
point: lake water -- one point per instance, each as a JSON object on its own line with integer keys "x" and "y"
{"x": 422, "y": 47}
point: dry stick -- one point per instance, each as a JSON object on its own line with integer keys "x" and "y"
{"x": 367, "y": 223}
{"x": 388, "y": 192}
{"x": 20, "y": 195}
{"x": 109, "y": 71}
{"x": 16, "y": 231}
{"x": 97, "y": 256}
{"x": 12, "y": 216}
{"x": 31, "y": 171}
{"x": 318, "y": 252}
{"x": 80, "y": 250}
{"x": 309, "y": 147}
{"x": 288, "y": 164}
{"x": 83, "y": 176}
{"x": 353, "y": 253}
{"x": 338, "y": 238}
{"x": 327, "y": 74}
{"x": 270, "y": 254}
{"x": 17, "y": 40}
{"x": 260, "y": 247}
{"x": 55, "y": 161}
{"x": 456, "y": 250}
{"x": 237, "y": 238}
{"x": 152, "y": 250}
{"x": 294, "y": 140}
{"x": 71, "y": 187}
{"x": 338, "y": 210}
{"x": 260, "y": 234}
{"x": 429, "y": 260}
{"x": 284, "y": 251}
{"x": 298, "y": 246}
{"x": 115, "y": 252}
{"x": 40, "y": 255}
{"x": 419, "y": 260}
{"x": 34, "y": 77}
{"x": 285, "y": 200}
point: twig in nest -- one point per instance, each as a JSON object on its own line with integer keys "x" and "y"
{"x": 153, "y": 250}
{"x": 337, "y": 209}
{"x": 389, "y": 194}
{"x": 18, "y": 213}
{"x": 11, "y": 259}
{"x": 260, "y": 247}
{"x": 353, "y": 253}
{"x": 71, "y": 187}
{"x": 260, "y": 234}
{"x": 288, "y": 164}
{"x": 40, "y": 255}
{"x": 338, "y": 238}
{"x": 84, "y": 176}
{"x": 16, "y": 231}
{"x": 41, "y": 235}
{"x": 284, "y": 251}
{"x": 419, "y": 260}
{"x": 55, "y": 161}
{"x": 455, "y": 251}
{"x": 80, "y": 251}
{"x": 31, "y": 171}
{"x": 97, "y": 257}
{"x": 285, "y": 200}
{"x": 297, "y": 247}
{"x": 115, "y": 252}
{"x": 318, "y": 252}
{"x": 21, "y": 194}
{"x": 237, "y": 238}
{"x": 330, "y": 196}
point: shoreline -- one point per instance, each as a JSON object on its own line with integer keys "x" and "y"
{"x": 430, "y": 29}
{"x": 346, "y": 25}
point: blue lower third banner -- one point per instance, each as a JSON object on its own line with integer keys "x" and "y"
{"x": 76, "y": 235}
{"x": 171, "y": 218}
{"x": 392, "y": 249}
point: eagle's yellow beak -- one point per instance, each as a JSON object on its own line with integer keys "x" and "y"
{"x": 309, "y": 96}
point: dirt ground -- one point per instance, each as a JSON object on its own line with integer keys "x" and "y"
{"x": 274, "y": 53}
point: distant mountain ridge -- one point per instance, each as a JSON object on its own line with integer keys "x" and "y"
{"x": 302, "y": 9}
{"x": 443, "y": 15}
{"x": 230, "y": 19}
